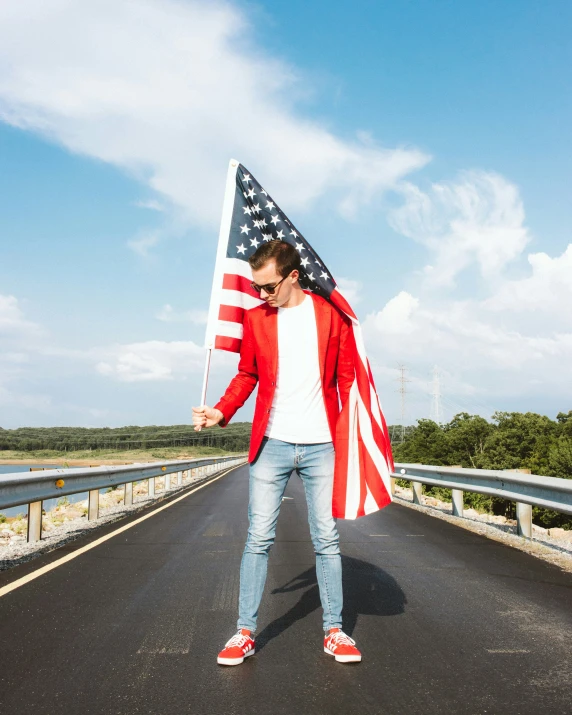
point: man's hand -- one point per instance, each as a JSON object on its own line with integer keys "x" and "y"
{"x": 206, "y": 417}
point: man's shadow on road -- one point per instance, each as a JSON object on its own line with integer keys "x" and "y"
{"x": 368, "y": 590}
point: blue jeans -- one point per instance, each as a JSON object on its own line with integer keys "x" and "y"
{"x": 269, "y": 474}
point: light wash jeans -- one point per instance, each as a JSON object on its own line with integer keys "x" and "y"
{"x": 269, "y": 475}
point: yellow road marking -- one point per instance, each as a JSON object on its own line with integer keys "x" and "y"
{"x": 41, "y": 571}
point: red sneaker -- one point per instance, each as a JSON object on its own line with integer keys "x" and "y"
{"x": 237, "y": 649}
{"x": 341, "y": 646}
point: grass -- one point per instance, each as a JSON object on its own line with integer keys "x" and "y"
{"x": 132, "y": 455}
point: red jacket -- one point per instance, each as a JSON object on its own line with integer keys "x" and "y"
{"x": 259, "y": 363}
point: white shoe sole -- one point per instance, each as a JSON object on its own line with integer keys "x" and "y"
{"x": 344, "y": 658}
{"x": 234, "y": 661}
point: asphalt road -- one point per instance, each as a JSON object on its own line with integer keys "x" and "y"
{"x": 448, "y": 621}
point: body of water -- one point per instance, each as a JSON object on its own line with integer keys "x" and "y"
{"x": 48, "y": 503}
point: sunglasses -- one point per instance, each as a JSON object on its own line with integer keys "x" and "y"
{"x": 268, "y": 288}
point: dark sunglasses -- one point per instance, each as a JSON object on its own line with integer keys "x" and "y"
{"x": 269, "y": 288}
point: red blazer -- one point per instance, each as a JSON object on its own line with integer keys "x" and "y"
{"x": 259, "y": 363}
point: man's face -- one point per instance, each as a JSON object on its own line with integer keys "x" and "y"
{"x": 268, "y": 275}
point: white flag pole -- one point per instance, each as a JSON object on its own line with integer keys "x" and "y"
{"x": 206, "y": 377}
{"x": 224, "y": 233}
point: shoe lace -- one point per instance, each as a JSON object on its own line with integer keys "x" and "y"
{"x": 237, "y": 640}
{"x": 340, "y": 638}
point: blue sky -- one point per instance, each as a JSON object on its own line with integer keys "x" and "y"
{"x": 422, "y": 147}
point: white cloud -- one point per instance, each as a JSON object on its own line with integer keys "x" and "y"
{"x": 152, "y": 360}
{"x": 547, "y": 291}
{"x": 32, "y": 403}
{"x": 168, "y": 315}
{"x": 18, "y": 341}
{"x": 170, "y": 91}
{"x": 487, "y": 358}
{"x": 458, "y": 333}
{"x": 396, "y": 317}
{"x": 151, "y": 204}
{"x": 143, "y": 244}
{"x": 12, "y": 320}
{"x": 350, "y": 289}
{"x": 478, "y": 219}
{"x": 513, "y": 343}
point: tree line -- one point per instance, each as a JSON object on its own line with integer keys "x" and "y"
{"x": 234, "y": 438}
{"x": 510, "y": 440}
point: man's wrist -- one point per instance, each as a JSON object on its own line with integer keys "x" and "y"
{"x": 219, "y": 417}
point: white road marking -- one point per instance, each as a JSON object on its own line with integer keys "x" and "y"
{"x": 49, "y": 567}
{"x": 507, "y": 650}
{"x": 163, "y": 651}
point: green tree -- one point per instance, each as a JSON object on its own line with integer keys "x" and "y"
{"x": 520, "y": 440}
{"x": 466, "y": 438}
{"x": 560, "y": 458}
{"x": 425, "y": 444}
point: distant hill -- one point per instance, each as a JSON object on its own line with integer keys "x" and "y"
{"x": 235, "y": 437}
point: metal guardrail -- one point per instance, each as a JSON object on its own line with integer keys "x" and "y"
{"x": 32, "y": 488}
{"x": 527, "y": 490}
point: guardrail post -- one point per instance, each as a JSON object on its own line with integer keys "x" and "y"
{"x": 417, "y": 492}
{"x": 151, "y": 487}
{"x": 457, "y": 498}
{"x": 524, "y": 519}
{"x": 34, "y": 521}
{"x": 128, "y": 494}
{"x": 167, "y": 482}
{"x": 93, "y": 504}
{"x": 179, "y": 478}
{"x": 392, "y": 483}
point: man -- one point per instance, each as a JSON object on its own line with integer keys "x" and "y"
{"x": 298, "y": 347}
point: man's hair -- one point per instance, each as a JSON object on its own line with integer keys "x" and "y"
{"x": 283, "y": 254}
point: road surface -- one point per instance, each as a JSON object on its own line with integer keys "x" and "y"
{"x": 448, "y": 621}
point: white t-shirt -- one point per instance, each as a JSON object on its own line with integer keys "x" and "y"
{"x": 298, "y": 414}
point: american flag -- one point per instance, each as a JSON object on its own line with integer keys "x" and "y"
{"x": 363, "y": 450}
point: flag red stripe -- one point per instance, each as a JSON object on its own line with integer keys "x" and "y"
{"x": 230, "y": 281}
{"x": 232, "y": 313}
{"x": 340, "y": 302}
{"x": 222, "y": 342}
{"x": 341, "y": 464}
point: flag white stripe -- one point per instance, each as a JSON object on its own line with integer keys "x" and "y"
{"x": 227, "y": 329}
{"x": 238, "y": 299}
{"x": 370, "y": 505}
{"x": 353, "y": 479}
{"x": 237, "y": 267}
